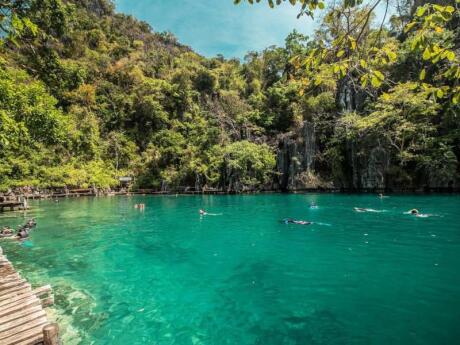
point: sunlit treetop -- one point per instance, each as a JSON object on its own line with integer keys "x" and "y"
{"x": 352, "y": 49}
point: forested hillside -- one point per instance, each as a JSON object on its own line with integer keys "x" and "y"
{"x": 88, "y": 95}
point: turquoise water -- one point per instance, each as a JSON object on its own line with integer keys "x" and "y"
{"x": 169, "y": 276}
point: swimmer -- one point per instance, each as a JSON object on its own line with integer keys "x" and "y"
{"x": 414, "y": 212}
{"x": 302, "y": 222}
{"x": 313, "y": 205}
{"x": 360, "y": 209}
{"x": 298, "y": 222}
{"x": 6, "y": 231}
{"x": 203, "y": 212}
{"x": 22, "y": 234}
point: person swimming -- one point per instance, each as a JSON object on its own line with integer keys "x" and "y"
{"x": 6, "y": 231}
{"x": 298, "y": 222}
{"x": 361, "y": 209}
{"x": 22, "y": 234}
{"x": 313, "y": 205}
{"x": 203, "y": 212}
{"x": 415, "y": 212}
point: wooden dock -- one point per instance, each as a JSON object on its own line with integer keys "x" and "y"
{"x": 23, "y": 320}
{"x": 12, "y": 205}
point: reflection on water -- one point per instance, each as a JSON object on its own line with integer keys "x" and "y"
{"x": 169, "y": 276}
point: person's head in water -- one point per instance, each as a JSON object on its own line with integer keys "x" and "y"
{"x": 202, "y": 211}
{"x": 414, "y": 211}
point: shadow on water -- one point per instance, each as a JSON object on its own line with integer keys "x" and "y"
{"x": 251, "y": 294}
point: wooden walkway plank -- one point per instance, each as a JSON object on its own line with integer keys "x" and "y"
{"x": 12, "y": 284}
{"x": 27, "y": 335}
{"x": 16, "y": 288}
{"x": 38, "y": 339}
{"x": 16, "y": 299}
{"x": 20, "y": 314}
{"x": 25, "y": 326}
{"x": 23, "y": 305}
{"x": 24, "y": 290}
{"x": 8, "y": 273}
{"x": 38, "y": 313}
{"x": 22, "y": 318}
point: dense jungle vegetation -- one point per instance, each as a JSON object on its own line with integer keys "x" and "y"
{"x": 88, "y": 95}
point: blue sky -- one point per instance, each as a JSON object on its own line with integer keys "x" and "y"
{"x": 211, "y": 27}
{"x": 214, "y": 27}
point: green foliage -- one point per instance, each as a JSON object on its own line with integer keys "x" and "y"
{"x": 404, "y": 118}
{"x": 88, "y": 95}
{"x": 247, "y": 164}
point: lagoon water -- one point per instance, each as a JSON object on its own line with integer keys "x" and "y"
{"x": 168, "y": 276}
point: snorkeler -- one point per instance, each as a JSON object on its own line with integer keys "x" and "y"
{"x": 302, "y": 222}
{"x": 298, "y": 222}
{"x": 360, "y": 209}
{"x": 22, "y": 234}
{"x": 6, "y": 231}
{"x": 415, "y": 212}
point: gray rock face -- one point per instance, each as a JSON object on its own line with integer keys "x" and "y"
{"x": 347, "y": 98}
{"x": 374, "y": 171}
{"x": 295, "y": 160}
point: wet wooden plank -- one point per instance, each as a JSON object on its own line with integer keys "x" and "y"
{"x": 32, "y": 315}
{"x": 24, "y": 327}
{"x": 24, "y": 336}
{"x": 38, "y": 339}
{"x": 16, "y": 299}
{"x": 15, "y": 288}
{"x": 23, "y": 305}
{"x": 7, "y": 276}
{"x": 20, "y": 314}
{"x": 22, "y": 318}
{"x": 43, "y": 291}
{"x": 15, "y": 292}
{"x": 16, "y": 283}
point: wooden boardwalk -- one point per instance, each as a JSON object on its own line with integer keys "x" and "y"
{"x": 23, "y": 320}
{"x": 11, "y": 205}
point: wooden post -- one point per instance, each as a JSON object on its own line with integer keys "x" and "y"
{"x": 51, "y": 334}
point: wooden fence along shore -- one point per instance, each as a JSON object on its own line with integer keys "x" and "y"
{"x": 23, "y": 320}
